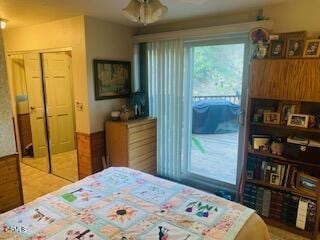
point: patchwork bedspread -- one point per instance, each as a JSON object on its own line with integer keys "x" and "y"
{"x": 124, "y": 204}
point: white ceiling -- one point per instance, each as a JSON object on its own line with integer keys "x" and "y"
{"x": 28, "y": 12}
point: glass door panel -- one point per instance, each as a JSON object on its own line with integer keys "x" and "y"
{"x": 217, "y": 95}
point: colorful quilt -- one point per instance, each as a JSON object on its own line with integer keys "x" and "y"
{"x": 124, "y": 204}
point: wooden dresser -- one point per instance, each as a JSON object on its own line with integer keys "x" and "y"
{"x": 133, "y": 144}
{"x": 10, "y": 183}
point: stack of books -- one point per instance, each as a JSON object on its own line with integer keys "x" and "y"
{"x": 285, "y": 207}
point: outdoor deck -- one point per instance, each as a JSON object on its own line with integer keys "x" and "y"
{"x": 213, "y": 155}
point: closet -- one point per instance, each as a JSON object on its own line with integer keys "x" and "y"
{"x": 43, "y": 92}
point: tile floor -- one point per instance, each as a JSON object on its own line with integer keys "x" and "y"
{"x": 36, "y": 183}
{"x": 63, "y": 164}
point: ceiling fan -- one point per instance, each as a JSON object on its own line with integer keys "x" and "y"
{"x": 144, "y": 11}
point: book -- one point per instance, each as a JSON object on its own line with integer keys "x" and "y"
{"x": 266, "y": 202}
{"x": 298, "y": 140}
{"x": 302, "y": 213}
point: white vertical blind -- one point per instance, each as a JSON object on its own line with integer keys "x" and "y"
{"x": 165, "y": 89}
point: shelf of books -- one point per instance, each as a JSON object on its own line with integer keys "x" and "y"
{"x": 282, "y": 165}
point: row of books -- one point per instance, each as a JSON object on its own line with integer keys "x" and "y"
{"x": 284, "y": 207}
{"x": 265, "y": 169}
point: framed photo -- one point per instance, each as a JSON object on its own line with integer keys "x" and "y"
{"x": 312, "y": 49}
{"x": 286, "y": 108}
{"x": 275, "y": 179}
{"x": 307, "y": 183}
{"x": 295, "y": 47}
{"x": 276, "y": 49}
{"x": 271, "y": 118}
{"x": 249, "y": 175}
{"x": 298, "y": 120}
{"x": 112, "y": 79}
{"x": 261, "y": 142}
{"x": 259, "y": 112}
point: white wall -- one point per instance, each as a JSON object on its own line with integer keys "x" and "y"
{"x": 7, "y": 139}
{"x": 66, "y": 33}
{"x": 106, "y": 41}
{"x": 296, "y": 15}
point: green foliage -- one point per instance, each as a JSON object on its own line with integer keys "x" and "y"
{"x": 198, "y": 144}
{"x": 218, "y": 70}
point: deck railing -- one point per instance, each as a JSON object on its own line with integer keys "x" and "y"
{"x": 232, "y": 98}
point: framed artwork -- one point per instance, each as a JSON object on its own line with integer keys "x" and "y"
{"x": 286, "y": 108}
{"x": 112, "y": 79}
{"x": 298, "y": 120}
{"x": 275, "y": 179}
{"x": 312, "y": 49}
{"x": 271, "y": 118}
{"x": 295, "y": 47}
{"x": 276, "y": 49}
{"x": 307, "y": 183}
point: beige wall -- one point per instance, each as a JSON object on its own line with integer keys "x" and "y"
{"x": 296, "y": 15}
{"x": 66, "y": 33}
{"x": 7, "y": 140}
{"x": 110, "y": 42}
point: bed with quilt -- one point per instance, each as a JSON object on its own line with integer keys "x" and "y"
{"x": 124, "y": 204}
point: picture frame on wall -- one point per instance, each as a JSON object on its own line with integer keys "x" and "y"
{"x": 112, "y": 79}
{"x": 286, "y": 108}
{"x": 312, "y": 49}
{"x": 295, "y": 47}
{"x": 276, "y": 49}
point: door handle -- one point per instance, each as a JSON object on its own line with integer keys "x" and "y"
{"x": 32, "y": 108}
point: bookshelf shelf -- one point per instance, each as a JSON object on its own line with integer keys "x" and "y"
{"x": 281, "y": 126}
{"x": 285, "y": 189}
{"x": 281, "y": 158}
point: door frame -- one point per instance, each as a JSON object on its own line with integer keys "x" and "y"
{"x": 195, "y": 179}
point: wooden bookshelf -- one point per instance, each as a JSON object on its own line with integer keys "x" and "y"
{"x": 281, "y": 126}
{"x": 284, "y": 159}
{"x": 271, "y": 82}
{"x": 284, "y": 189}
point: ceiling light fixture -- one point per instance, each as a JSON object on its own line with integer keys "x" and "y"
{"x": 3, "y": 23}
{"x": 144, "y": 11}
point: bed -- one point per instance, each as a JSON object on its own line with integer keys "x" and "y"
{"x": 124, "y": 204}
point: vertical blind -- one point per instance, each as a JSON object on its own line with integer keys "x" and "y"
{"x": 165, "y": 92}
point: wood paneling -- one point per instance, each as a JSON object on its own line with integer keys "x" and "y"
{"x": 24, "y": 131}
{"x": 286, "y": 79}
{"x": 91, "y": 151}
{"x": 132, "y": 144}
{"x": 10, "y": 183}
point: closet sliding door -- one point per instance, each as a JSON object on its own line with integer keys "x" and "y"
{"x": 60, "y": 114}
{"x": 31, "y": 110}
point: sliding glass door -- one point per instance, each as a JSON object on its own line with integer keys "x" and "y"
{"x": 217, "y": 74}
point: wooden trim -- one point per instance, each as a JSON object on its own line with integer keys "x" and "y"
{"x": 204, "y": 32}
{"x": 91, "y": 151}
{"x": 16, "y": 156}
